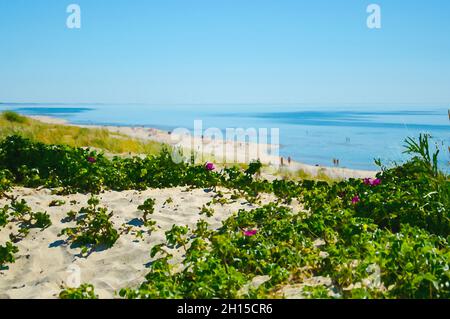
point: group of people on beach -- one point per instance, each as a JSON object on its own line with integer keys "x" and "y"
{"x": 289, "y": 160}
{"x": 335, "y": 162}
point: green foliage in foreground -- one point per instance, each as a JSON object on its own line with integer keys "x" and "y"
{"x": 85, "y": 291}
{"x": 383, "y": 238}
{"x": 411, "y": 263}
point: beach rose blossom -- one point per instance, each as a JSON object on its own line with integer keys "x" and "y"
{"x": 91, "y": 159}
{"x": 376, "y": 182}
{"x": 250, "y": 233}
{"x": 210, "y": 166}
{"x": 372, "y": 182}
{"x": 356, "y": 200}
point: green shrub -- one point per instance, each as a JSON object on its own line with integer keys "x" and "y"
{"x": 14, "y": 117}
{"x": 20, "y": 213}
{"x": 6, "y": 181}
{"x": 85, "y": 291}
{"x": 7, "y": 254}
{"x": 93, "y": 227}
{"x": 148, "y": 207}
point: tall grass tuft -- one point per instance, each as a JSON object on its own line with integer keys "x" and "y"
{"x": 12, "y": 123}
{"x": 13, "y": 117}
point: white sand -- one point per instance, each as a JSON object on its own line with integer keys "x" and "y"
{"x": 43, "y": 262}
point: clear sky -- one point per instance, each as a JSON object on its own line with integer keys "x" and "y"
{"x": 225, "y": 51}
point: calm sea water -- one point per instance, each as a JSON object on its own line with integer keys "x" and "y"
{"x": 355, "y": 135}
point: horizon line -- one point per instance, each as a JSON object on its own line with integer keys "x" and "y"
{"x": 437, "y": 104}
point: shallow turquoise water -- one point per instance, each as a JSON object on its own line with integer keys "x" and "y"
{"x": 310, "y": 134}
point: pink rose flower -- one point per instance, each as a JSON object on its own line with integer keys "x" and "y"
{"x": 250, "y": 233}
{"x": 210, "y": 166}
{"x": 356, "y": 200}
{"x": 372, "y": 182}
{"x": 376, "y": 182}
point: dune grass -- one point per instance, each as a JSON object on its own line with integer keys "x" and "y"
{"x": 301, "y": 174}
{"x": 12, "y": 123}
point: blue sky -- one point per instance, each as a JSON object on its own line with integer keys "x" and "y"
{"x": 225, "y": 51}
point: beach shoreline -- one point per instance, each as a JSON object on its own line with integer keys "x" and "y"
{"x": 217, "y": 150}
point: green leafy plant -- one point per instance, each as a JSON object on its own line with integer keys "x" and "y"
{"x": 254, "y": 168}
{"x": 85, "y": 291}
{"x": 202, "y": 229}
{"x": 421, "y": 149}
{"x": 21, "y": 213}
{"x": 148, "y": 208}
{"x": 168, "y": 201}
{"x": 208, "y": 211}
{"x": 40, "y": 220}
{"x": 176, "y": 236}
{"x": 93, "y": 227}
{"x": 6, "y": 181}
{"x": 56, "y": 203}
{"x": 4, "y": 216}
{"x": 7, "y": 254}
{"x": 316, "y": 292}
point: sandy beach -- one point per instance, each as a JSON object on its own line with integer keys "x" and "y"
{"x": 45, "y": 263}
{"x": 221, "y": 151}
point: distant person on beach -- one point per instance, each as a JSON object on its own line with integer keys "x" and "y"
{"x": 282, "y": 161}
{"x": 289, "y": 160}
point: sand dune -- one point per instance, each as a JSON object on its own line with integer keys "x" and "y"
{"x": 45, "y": 262}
